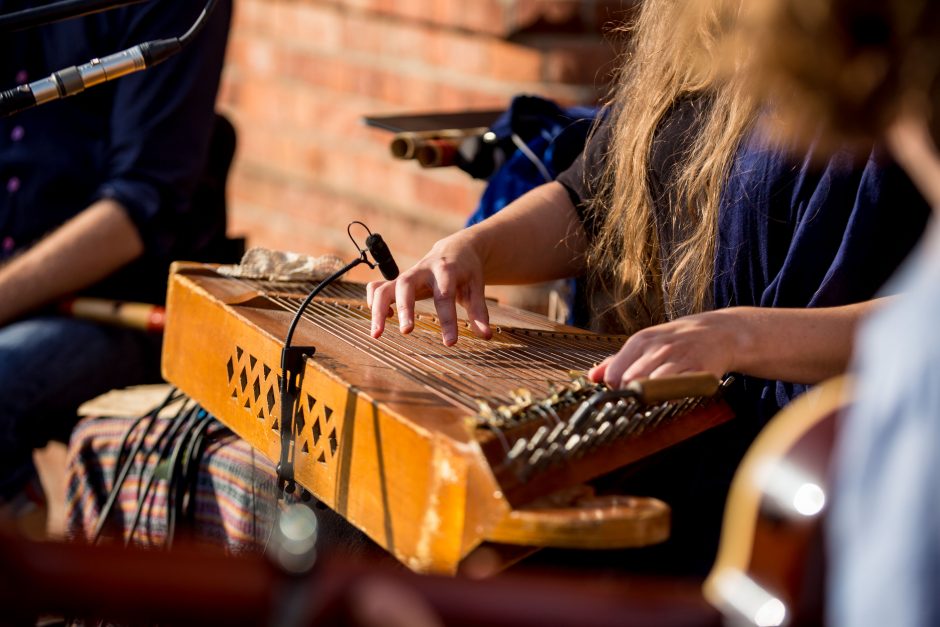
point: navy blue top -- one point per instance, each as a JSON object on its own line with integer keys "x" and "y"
{"x": 810, "y": 232}
{"x": 141, "y": 140}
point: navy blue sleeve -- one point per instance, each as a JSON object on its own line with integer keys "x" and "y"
{"x": 161, "y": 119}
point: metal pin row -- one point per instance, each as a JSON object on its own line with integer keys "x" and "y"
{"x": 525, "y": 408}
{"x": 612, "y": 421}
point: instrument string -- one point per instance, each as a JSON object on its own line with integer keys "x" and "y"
{"x": 396, "y": 361}
{"x": 414, "y": 363}
{"x": 544, "y": 355}
{"x": 285, "y": 298}
{"x": 558, "y": 353}
{"x": 470, "y": 393}
{"x": 490, "y": 355}
{"x": 550, "y": 356}
{"x": 519, "y": 357}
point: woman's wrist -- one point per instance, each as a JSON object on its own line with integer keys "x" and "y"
{"x": 739, "y": 324}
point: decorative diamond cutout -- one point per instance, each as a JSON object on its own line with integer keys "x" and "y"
{"x": 255, "y": 386}
{"x": 271, "y": 398}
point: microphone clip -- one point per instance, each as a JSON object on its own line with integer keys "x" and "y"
{"x": 376, "y": 246}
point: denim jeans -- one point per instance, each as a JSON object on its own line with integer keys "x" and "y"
{"x": 49, "y": 365}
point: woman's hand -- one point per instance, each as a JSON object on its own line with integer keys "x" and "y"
{"x": 537, "y": 237}
{"x": 706, "y": 342}
{"x": 451, "y": 273}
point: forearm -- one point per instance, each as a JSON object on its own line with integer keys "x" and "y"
{"x": 536, "y": 238}
{"x": 81, "y": 252}
{"x": 797, "y": 345}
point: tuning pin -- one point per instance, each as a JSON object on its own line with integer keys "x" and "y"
{"x": 604, "y": 433}
{"x": 556, "y": 432}
{"x": 537, "y": 437}
{"x": 620, "y": 426}
{"x": 552, "y": 455}
{"x": 484, "y": 408}
{"x": 521, "y": 395}
{"x": 505, "y": 413}
{"x": 517, "y": 449}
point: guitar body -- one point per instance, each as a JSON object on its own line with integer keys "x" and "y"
{"x": 770, "y": 565}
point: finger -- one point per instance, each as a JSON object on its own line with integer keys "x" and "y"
{"x": 477, "y": 312}
{"x": 405, "y": 300}
{"x": 446, "y": 306}
{"x": 596, "y": 373}
{"x": 618, "y": 364}
{"x": 644, "y": 364}
{"x": 382, "y": 298}
{"x": 371, "y": 286}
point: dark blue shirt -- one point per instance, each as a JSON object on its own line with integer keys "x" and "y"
{"x": 813, "y": 231}
{"x": 141, "y": 140}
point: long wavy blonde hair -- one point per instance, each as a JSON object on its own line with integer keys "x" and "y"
{"x": 674, "y": 46}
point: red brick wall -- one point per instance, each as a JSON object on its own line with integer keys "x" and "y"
{"x": 301, "y": 74}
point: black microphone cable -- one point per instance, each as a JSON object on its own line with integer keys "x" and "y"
{"x": 76, "y": 79}
{"x": 384, "y": 261}
{"x": 121, "y": 470}
{"x": 183, "y": 468}
{"x": 168, "y": 440}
